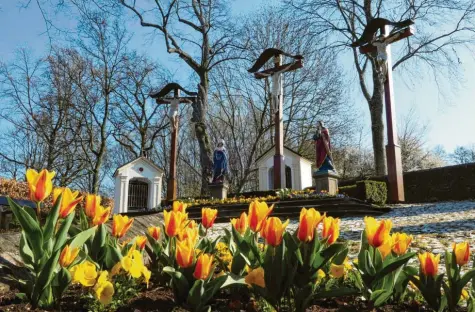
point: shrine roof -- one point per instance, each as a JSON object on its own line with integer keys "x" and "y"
{"x": 286, "y": 148}
{"x": 139, "y": 159}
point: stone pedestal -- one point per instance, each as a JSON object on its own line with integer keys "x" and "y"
{"x": 219, "y": 190}
{"x": 326, "y": 181}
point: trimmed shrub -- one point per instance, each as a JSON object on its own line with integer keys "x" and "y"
{"x": 374, "y": 192}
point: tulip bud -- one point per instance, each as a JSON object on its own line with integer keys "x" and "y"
{"x": 273, "y": 231}
{"x": 173, "y": 222}
{"x": 377, "y": 232}
{"x": 185, "y": 253}
{"x": 309, "y": 220}
{"x": 429, "y": 263}
{"x": 208, "y": 216}
{"x": 69, "y": 201}
{"x": 179, "y": 206}
{"x": 40, "y": 184}
{"x": 240, "y": 224}
{"x": 93, "y": 201}
{"x": 120, "y": 225}
{"x": 401, "y": 243}
{"x": 154, "y": 231}
{"x": 203, "y": 266}
{"x": 141, "y": 241}
{"x": 258, "y": 212}
{"x": 67, "y": 256}
{"x": 331, "y": 229}
{"x": 462, "y": 253}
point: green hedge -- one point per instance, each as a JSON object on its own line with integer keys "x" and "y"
{"x": 370, "y": 191}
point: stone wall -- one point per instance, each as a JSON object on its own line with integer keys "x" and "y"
{"x": 438, "y": 184}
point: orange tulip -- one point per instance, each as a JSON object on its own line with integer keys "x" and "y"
{"x": 377, "y": 232}
{"x": 173, "y": 222}
{"x": 386, "y": 247}
{"x": 92, "y": 203}
{"x": 462, "y": 253}
{"x": 258, "y": 213}
{"x": 189, "y": 233}
{"x": 39, "y": 184}
{"x": 67, "y": 256}
{"x": 100, "y": 215}
{"x": 401, "y": 242}
{"x": 154, "y": 231}
{"x": 69, "y": 201}
{"x": 185, "y": 252}
{"x": 203, "y": 266}
{"x": 273, "y": 231}
{"x": 120, "y": 225}
{"x": 429, "y": 263}
{"x": 179, "y": 206}
{"x": 309, "y": 220}
{"x": 240, "y": 224}
{"x": 208, "y": 216}
{"x": 141, "y": 241}
{"x": 331, "y": 229}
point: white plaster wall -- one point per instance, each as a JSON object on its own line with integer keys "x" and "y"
{"x": 306, "y": 173}
{"x": 131, "y": 171}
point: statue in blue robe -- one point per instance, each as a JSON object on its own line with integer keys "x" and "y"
{"x": 220, "y": 163}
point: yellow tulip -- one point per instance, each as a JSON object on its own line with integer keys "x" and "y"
{"x": 273, "y": 231}
{"x": 386, "y": 247}
{"x": 208, "y": 216}
{"x": 309, "y": 220}
{"x": 173, "y": 222}
{"x": 203, "y": 266}
{"x": 40, "y": 184}
{"x": 462, "y": 252}
{"x": 93, "y": 201}
{"x": 377, "y": 232}
{"x": 185, "y": 252}
{"x": 101, "y": 215}
{"x": 84, "y": 273}
{"x": 69, "y": 200}
{"x": 67, "y": 256}
{"x": 154, "y": 231}
{"x": 179, "y": 206}
{"x": 401, "y": 242}
{"x": 240, "y": 224}
{"x": 337, "y": 270}
{"x": 104, "y": 290}
{"x": 120, "y": 225}
{"x": 429, "y": 263}
{"x": 258, "y": 213}
{"x": 256, "y": 277}
{"x": 331, "y": 229}
{"x": 141, "y": 241}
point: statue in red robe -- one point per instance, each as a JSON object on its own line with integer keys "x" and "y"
{"x": 323, "y": 147}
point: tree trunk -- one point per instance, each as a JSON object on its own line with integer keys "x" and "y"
{"x": 377, "y": 125}
{"x": 199, "y": 116}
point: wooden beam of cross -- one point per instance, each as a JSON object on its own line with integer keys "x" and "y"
{"x": 277, "y": 100}
{"x": 369, "y": 43}
{"x": 162, "y": 97}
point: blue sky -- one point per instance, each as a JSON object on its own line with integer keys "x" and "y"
{"x": 451, "y": 114}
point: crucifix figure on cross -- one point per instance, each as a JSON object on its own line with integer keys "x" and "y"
{"x": 277, "y": 99}
{"x": 380, "y": 47}
{"x": 174, "y": 101}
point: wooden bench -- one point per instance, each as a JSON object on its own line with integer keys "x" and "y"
{"x": 6, "y": 214}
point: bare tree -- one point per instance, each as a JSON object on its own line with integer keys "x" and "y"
{"x": 463, "y": 155}
{"x": 442, "y": 26}
{"x": 137, "y": 120}
{"x": 201, "y": 34}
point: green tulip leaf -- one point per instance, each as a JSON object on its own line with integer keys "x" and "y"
{"x": 62, "y": 235}
{"x": 52, "y": 219}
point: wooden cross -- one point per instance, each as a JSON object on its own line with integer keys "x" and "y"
{"x": 382, "y": 46}
{"x": 277, "y": 100}
{"x": 163, "y": 98}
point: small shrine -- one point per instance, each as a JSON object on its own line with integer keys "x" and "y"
{"x": 298, "y": 170}
{"x": 138, "y": 186}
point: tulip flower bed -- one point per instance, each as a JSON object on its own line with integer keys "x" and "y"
{"x": 256, "y": 265}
